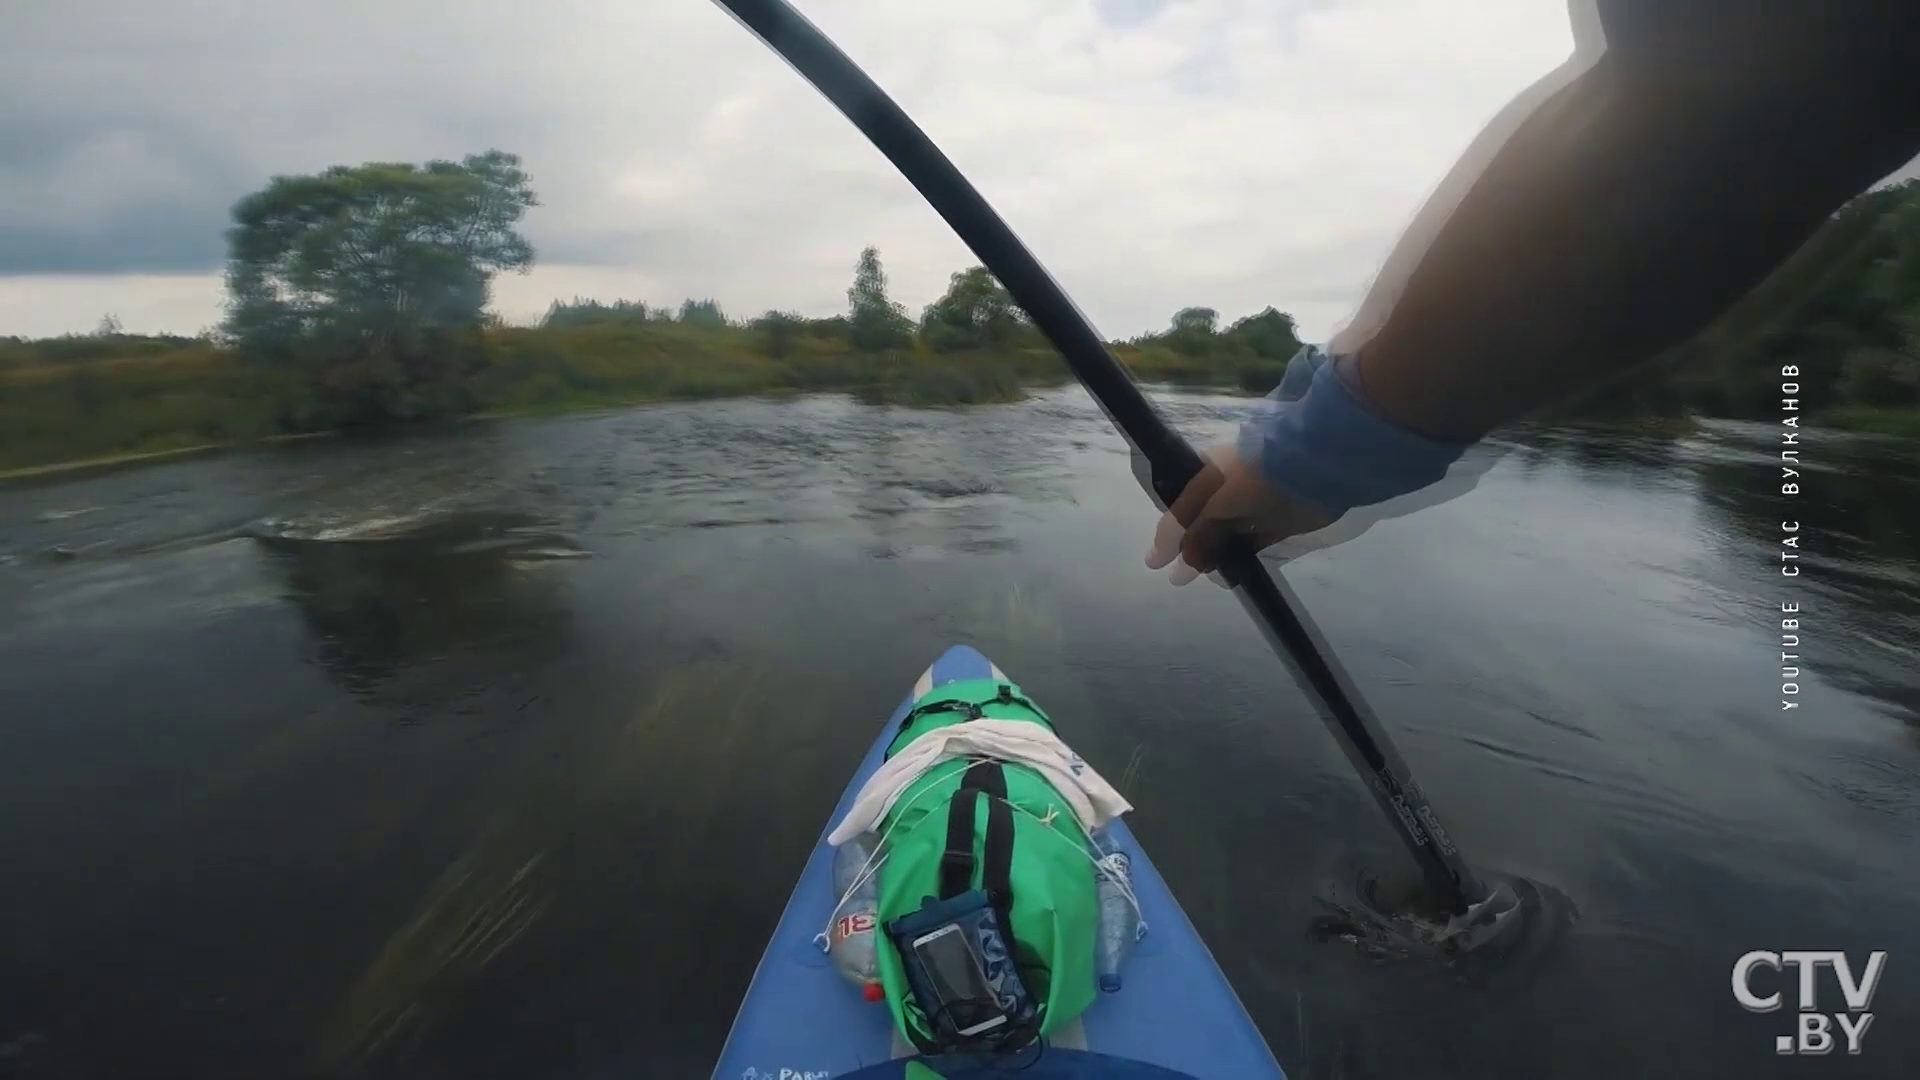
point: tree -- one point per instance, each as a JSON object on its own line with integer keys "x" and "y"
{"x": 975, "y": 313}
{"x": 874, "y": 322}
{"x": 705, "y": 314}
{"x": 778, "y": 332}
{"x": 1194, "y": 330}
{"x": 1271, "y": 335}
{"x": 1199, "y": 320}
{"x": 582, "y": 312}
{"x": 1834, "y": 310}
{"x": 368, "y": 271}
{"x": 833, "y": 328}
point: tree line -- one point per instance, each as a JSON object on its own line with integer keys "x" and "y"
{"x": 1845, "y": 309}
{"x": 371, "y": 283}
{"x": 358, "y": 297}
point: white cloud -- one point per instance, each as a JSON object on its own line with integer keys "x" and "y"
{"x": 1227, "y": 152}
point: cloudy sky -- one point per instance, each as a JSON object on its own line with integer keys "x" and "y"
{"x": 1154, "y": 153}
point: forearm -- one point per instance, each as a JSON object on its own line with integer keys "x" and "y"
{"x": 1624, "y": 215}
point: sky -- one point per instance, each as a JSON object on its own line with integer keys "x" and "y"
{"x": 1155, "y": 154}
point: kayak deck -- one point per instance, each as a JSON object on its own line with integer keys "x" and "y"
{"x": 801, "y": 1020}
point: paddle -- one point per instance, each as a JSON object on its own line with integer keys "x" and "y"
{"x": 1169, "y": 460}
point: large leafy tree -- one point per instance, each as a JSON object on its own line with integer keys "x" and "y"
{"x": 975, "y": 313}
{"x": 1272, "y": 334}
{"x": 1195, "y": 331}
{"x": 875, "y": 322}
{"x": 1196, "y": 320}
{"x": 366, "y": 271}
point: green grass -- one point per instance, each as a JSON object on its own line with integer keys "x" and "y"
{"x": 1904, "y": 423}
{"x": 75, "y": 402}
{"x": 118, "y": 398}
{"x": 120, "y": 406}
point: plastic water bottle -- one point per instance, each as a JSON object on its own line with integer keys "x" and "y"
{"x": 850, "y": 940}
{"x": 1120, "y": 925}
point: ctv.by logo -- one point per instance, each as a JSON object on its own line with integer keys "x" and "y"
{"x": 1813, "y": 1031}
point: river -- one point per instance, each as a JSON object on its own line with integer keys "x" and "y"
{"x": 494, "y": 751}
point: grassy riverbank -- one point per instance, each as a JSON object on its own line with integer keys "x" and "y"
{"x": 115, "y": 398}
{"x": 80, "y": 403}
{"x": 1903, "y": 423}
{"x": 128, "y": 398}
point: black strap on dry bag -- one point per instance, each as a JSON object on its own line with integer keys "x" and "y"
{"x": 956, "y": 863}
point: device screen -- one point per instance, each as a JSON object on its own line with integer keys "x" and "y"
{"x": 956, "y": 976}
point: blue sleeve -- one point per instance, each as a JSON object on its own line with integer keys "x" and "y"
{"x": 1316, "y": 441}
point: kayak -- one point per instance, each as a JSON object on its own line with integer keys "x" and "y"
{"x": 1175, "y": 1015}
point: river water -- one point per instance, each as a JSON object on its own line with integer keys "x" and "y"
{"x": 493, "y": 752}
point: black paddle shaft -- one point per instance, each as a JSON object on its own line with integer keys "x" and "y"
{"x": 1170, "y": 460}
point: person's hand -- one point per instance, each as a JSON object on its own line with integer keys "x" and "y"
{"x": 1228, "y": 497}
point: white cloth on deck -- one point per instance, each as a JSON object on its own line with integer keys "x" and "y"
{"x": 1093, "y": 801}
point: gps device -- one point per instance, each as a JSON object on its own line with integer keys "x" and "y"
{"x": 958, "y": 981}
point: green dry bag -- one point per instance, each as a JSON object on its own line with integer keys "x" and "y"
{"x": 1052, "y": 911}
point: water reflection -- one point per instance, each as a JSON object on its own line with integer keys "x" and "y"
{"x": 927, "y": 489}
{"x": 1860, "y": 537}
{"x": 379, "y": 603}
{"x": 1602, "y": 454}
